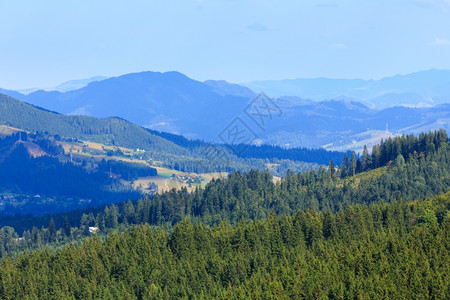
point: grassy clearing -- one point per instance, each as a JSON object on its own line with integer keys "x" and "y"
{"x": 95, "y": 152}
{"x": 163, "y": 180}
{"x": 7, "y": 130}
{"x": 372, "y": 174}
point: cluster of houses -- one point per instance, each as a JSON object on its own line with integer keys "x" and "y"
{"x": 188, "y": 179}
{"x": 11, "y": 198}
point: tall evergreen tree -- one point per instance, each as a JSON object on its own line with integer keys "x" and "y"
{"x": 66, "y": 226}
{"x": 364, "y": 159}
{"x": 331, "y": 169}
{"x": 353, "y": 163}
{"x": 52, "y": 229}
{"x": 344, "y": 166}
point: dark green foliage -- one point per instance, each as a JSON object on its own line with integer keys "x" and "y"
{"x": 406, "y": 145}
{"x": 66, "y": 226}
{"x": 344, "y": 168}
{"x": 128, "y": 171}
{"x": 353, "y": 164}
{"x": 381, "y": 251}
{"x": 389, "y": 150}
{"x": 312, "y": 235}
{"x": 366, "y": 161}
{"x": 255, "y": 195}
{"x": 331, "y": 169}
{"x": 320, "y": 156}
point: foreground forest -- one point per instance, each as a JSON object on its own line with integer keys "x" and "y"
{"x": 398, "y": 250}
{"x": 375, "y": 227}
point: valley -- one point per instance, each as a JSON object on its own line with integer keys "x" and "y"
{"x": 225, "y": 150}
{"x": 120, "y": 160}
{"x": 80, "y": 182}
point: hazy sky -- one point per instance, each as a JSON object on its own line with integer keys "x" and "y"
{"x": 43, "y": 43}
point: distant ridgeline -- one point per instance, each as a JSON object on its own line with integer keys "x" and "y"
{"x": 38, "y": 178}
{"x": 415, "y": 168}
{"x": 319, "y": 156}
{"x": 173, "y": 151}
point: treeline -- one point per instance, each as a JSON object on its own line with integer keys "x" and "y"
{"x": 393, "y": 149}
{"x": 42, "y": 139}
{"x": 255, "y": 195}
{"x": 128, "y": 171}
{"x": 319, "y": 156}
{"x": 234, "y": 164}
{"x": 397, "y": 250}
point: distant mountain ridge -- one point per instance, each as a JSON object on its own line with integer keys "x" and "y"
{"x": 66, "y": 86}
{"x": 161, "y": 101}
{"x": 115, "y": 131}
{"x": 172, "y": 102}
{"x": 419, "y": 89}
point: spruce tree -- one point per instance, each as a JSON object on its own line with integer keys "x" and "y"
{"x": 52, "y": 229}
{"x": 353, "y": 163}
{"x": 344, "y": 166}
{"x": 66, "y": 226}
{"x": 364, "y": 160}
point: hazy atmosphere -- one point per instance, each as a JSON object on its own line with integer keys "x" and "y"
{"x": 46, "y": 43}
{"x": 225, "y": 149}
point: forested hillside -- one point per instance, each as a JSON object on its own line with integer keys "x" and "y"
{"x": 319, "y": 155}
{"x": 375, "y": 234}
{"x": 37, "y": 177}
{"x": 174, "y": 151}
{"x": 395, "y": 250}
{"x": 169, "y": 150}
{"x": 113, "y": 131}
{"x": 254, "y": 195}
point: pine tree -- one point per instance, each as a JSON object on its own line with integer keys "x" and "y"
{"x": 344, "y": 166}
{"x": 66, "y": 226}
{"x": 2, "y": 242}
{"x": 52, "y": 229}
{"x": 331, "y": 169}
{"x": 365, "y": 159}
{"x": 353, "y": 163}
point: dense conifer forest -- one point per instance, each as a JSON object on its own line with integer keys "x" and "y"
{"x": 225, "y": 150}
{"x": 376, "y": 226}
{"x": 397, "y": 250}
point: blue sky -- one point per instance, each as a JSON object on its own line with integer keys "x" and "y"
{"x": 44, "y": 43}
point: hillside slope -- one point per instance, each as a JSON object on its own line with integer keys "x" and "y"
{"x": 246, "y": 235}
{"x": 18, "y": 114}
{"x": 162, "y": 101}
{"x": 173, "y": 102}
